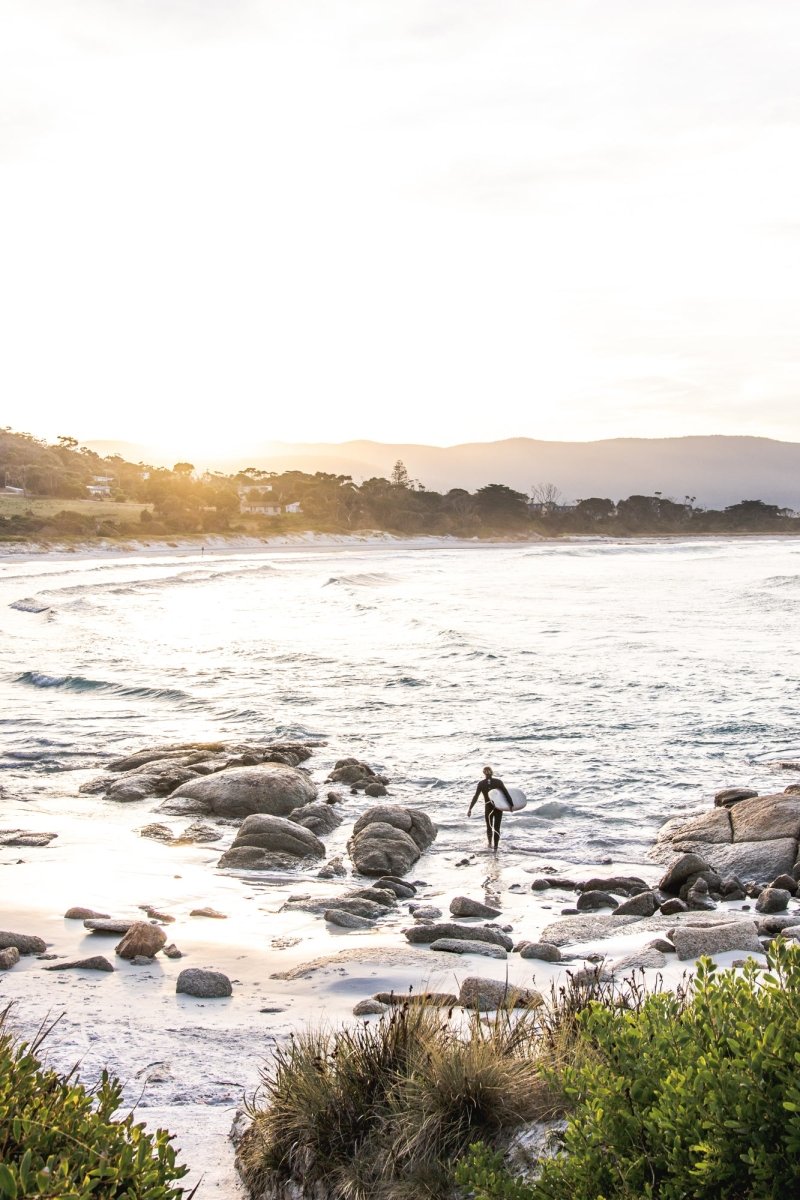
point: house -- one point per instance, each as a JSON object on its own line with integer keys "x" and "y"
{"x": 294, "y": 507}
{"x": 266, "y": 509}
{"x": 100, "y": 486}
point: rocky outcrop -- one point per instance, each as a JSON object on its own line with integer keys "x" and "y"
{"x": 9, "y": 957}
{"x": 85, "y": 914}
{"x": 266, "y": 843}
{"x": 269, "y": 788}
{"x": 347, "y": 920}
{"x": 755, "y": 839}
{"x": 388, "y": 839}
{"x": 543, "y": 951}
{"x": 359, "y": 776}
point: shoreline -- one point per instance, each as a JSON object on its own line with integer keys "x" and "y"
{"x": 219, "y": 544}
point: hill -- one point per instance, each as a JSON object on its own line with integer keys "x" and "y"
{"x": 716, "y": 470}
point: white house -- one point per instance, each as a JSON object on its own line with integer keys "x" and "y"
{"x": 262, "y": 507}
{"x": 294, "y": 507}
{"x": 100, "y": 486}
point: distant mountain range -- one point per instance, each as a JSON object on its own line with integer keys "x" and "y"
{"x": 715, "y": 470}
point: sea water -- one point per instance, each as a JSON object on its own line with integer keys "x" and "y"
{"x": 617, "y": 683}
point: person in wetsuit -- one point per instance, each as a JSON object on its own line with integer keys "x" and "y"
{"x": 493, "y": 815}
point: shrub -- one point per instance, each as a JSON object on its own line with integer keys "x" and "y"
{"x": 679, "y": 1099}
{"x": 378, "y": 1111}
{"x": 59, "y": 1140}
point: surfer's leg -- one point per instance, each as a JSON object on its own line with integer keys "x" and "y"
{"x": 498, "y": 816}
{"x": 488, "y": 815}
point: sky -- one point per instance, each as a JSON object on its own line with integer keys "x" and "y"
{"x": 437, "y": 221}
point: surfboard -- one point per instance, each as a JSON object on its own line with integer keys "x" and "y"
{"x": 518, "y": 799}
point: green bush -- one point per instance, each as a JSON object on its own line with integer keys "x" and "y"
{"x": 59, "y": 1140}
{"x": 678, "y": 1099}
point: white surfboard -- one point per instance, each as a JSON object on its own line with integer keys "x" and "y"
{"x": 500, "y": 802}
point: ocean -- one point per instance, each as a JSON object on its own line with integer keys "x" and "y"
{"x": 617, "y": 683}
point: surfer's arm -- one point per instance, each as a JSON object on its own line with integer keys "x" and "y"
{"x": 498, "y": 783}
{"x": 474, "y": 798}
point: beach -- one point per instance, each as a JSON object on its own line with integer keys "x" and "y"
{"x": 597, "y": 677}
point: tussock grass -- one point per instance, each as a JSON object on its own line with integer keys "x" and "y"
{"x": 382, "y": 1111}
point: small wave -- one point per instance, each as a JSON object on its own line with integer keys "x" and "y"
{"x": 79, "y": 683}
{"x": 406, "y": 681}
{"x": 364, "y": 579}
{"x": 30, "y": 605}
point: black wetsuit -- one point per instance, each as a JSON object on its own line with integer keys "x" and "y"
{"x": 493, "y": 815}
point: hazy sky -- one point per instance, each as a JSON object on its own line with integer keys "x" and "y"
{"x": 410, "y": 220}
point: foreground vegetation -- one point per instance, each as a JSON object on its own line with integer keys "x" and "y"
{"x": 668, "y": 1096}
{"x": 59, "y": 1140}
{"x": 53, "y": 483}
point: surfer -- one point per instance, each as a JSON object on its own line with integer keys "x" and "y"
{"x": 493, "y": 815}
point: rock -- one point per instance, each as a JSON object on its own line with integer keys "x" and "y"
{"x": 358, "y": 907}
{"x": 732, "y": 795}
{"x": 698, "y": 899}
{"x": 486, "y": 995}
{"x": 142, "y": 939}
{"x": 692, "y": 941}
{"x": 96, "y": 963}
{"x": 793, "y": 789}
{"x": 200, "y": 831}
{"x": 206, "y": 985}
{"x": 773, "y": 900}
{"x": 670, "y": 907}
{"x": 355, "y": 773}
{"x": 645, "y": 959}
{"x": 466, "y": 946}
{"x": 426, "y": 912}
{"x": 777, "y": 922}
{"x": 269, "y": 788}
{"x": 172, "y": 951}
{"x": 319, "y": 818}
{"x": 544, "y": 951}
{"x": 787, "y": 882}
{"x": 591, "y": 901}
{"x": 208, "y": 912}
{"x": 584, "y": 928}
{"x": 264, "y": 842}
{"x": 767, "y": 818}
{"x": 107, "y": 925}
{"x": 333, "y": 869}
{"x": 706, "y": 827}
{"x": 26, "y": 943}
{"x": 381, "y": 896}
{"x": 9, "y": 957}
{"x": 462, "y": 906}
{"x": 369, "y": 1008}
{"x": 374, "y": 790}
{"x": 401, "y": 889}
{"x": 642, "y": 905}
{"x": 132, "y": 788}
{"x": 423, "y": 935}
{"x": 84, "y": 914}
{"x": 333, "y": 797}
{"x": 141, "y": 960}
{"x": 590, "y": 977}
{"x": 159, "y": 833}
{"x": 25, "y": 837}
{"x": 171, "y": 754}
{"x": 95, "y": 787}
{"x": 682, "y": 869}
{"x": 757, "y": 860}
{"x": 628, "y": 885}
{"x": 429, "y": 999}
{"x": 347, "y": 920}
{"x": 388, "y": 839}
{"x": 662, "y": 944}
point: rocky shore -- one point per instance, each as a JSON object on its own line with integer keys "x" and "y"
{"x": 282, "y": 893}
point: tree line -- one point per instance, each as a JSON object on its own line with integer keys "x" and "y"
{"x": 181, "y": 500}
